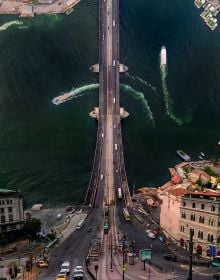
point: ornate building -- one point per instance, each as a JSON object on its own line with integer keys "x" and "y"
{"x": 11, "y": 211}
{"x": 200, "y": 211}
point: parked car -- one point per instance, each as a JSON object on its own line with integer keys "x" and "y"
{"x": 216, "y": 261}
{"x": 170, "y": 257}
{"x": 151, "y": 234}
{"x": 42, "y": 263}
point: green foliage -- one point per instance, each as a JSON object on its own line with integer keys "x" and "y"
{"x": 51, "y": 235}
{"x": 3, "y": 239}
{"x": 209, "y": 171}
{"x": 199, "y": 182}
{"x": 32, "y": 227}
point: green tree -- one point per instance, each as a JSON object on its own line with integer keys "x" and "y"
{"x": 51, "y": 235}
{"x": 3, "y": 239}
{"x": 32, "y": 227}
{"x": 209, "y": 171}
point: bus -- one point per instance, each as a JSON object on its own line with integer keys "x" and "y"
{"x": 126, "y": 214}
{"x": 119, "y": 194}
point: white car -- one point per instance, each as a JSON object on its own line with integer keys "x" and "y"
{"x": 65, "y": 267}
{"x": 151, "y": 234}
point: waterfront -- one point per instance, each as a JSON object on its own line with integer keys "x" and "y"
{"x": 47, "y": 151}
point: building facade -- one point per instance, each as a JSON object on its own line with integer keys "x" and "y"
{"x": 170, "y": 211}
{"x": 200, "y": 212}
{"x": 11, "y": 211}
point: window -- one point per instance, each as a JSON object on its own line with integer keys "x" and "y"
{"x": 193, "y": 205}
{"x": 200, "y": 234}
{"x": 193, "y": 217}
{"x": 182, "y": 229}
{"x": 201, "y": 219}
{"x": 202, "y": 206}
{"x": 2, "y": 219}
{"x": 7, "y": 201}
{"x": 213, "y": 208}
{"x": 9, "y": 209}
{"x": 2, "y": 210}
{"x": 192, "y": 230}
{"x": 10, "y": 218}
{"x": 11, "y": 201}
{"x": 183, "y": 215}
{"x": 184, "y": 203}
{"x": 210, "y": 238}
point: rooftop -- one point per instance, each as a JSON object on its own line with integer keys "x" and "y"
{"x": 5, "y": 191}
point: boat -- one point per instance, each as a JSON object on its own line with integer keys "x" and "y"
{"x": 63, "y": 98}
{"x": 200, "y": 157}
{"x": 219, "y": 143}
{"x": 183, "y": 155}
{"x": 202, "y": 154}
{"x": 163, "y": 56}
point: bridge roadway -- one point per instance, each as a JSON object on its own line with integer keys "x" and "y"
{"x": 106, "y": 168}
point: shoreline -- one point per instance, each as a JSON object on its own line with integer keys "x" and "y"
{"x": 29, "y": 9}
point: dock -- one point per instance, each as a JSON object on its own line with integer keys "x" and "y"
{"x": 26, "y": 9}
{"x": 210, "y": 12}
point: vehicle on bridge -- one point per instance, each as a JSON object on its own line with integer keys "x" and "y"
{"x": 126, "y": 214}
{"x": 78, "y": 273}
{"x": 119, "y": 194}
{"x": 65, "y": 267}
{"x": 80, "y": 224}
{"x": 106, "y": 220}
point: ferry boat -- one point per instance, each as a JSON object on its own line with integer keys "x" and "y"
{"x": 183, "y": 155}
{"x": 63, "y": 98}
{"x": 163, "y": 56}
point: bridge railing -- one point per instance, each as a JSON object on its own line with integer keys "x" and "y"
{"x": 94, "y": 178}
{"x": 124, "y": 181}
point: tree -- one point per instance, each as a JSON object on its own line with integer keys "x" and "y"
{"x": 209, "y": 171}
{"x": 51, "y": 235}
{"x": 32, "y": 227}
{"x": 3, "y": 239}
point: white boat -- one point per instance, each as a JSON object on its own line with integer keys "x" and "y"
{"x": 200, "y": 157}
{"x": 183, "y": 155}
{"x": 163, "y": 56}
{"x": 63, "y": 98}
{"x": 202, "y": 154}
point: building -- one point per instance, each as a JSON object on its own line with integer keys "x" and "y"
{"x": 200, "y": 211}
{"x": 170, "y": 211}
{"x": 11, "y": 211}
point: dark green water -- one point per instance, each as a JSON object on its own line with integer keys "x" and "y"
{"x": 47, "y": 151}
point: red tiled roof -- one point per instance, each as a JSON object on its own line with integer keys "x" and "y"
{"x": 200, "y": 173}
{"x": 206, "y": 193}
{"x": 177, "y": 192}
{"x": 176, "y": 179}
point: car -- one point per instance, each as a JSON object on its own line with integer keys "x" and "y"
{"x": 80, "y": 224}
{"x": 216, "y": 261}
{"x": 170, "y": 257}
{"x": 78, "y": 273}
{"x": 65, "y": 267}
{"x": 151, "y": 234}
{"x": 61, "y": 276}
{"x": 42, "y": 263}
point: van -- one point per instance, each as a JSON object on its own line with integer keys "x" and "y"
{"x": 113, "y": 22}
{"x": 114, "y": 100}
{"x": 65, "y": 267}
{"x": 116, "y": 147}
{"x": 113, "y": 62}
{"x": 59, "y": 216}
{"x": 101, "y": 177}
{"x": 80, "y": 224}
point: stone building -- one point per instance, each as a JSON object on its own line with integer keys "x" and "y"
{"x": 200, "y": 211}
{"x": 11, "y": 211}
{"x": 170, "y": 211}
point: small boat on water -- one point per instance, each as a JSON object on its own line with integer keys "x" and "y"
{"x": 183, "y": 155}
{"x": 200, "y": 157}
{"x": 202, "y": 154}
{"x": 219, "y": 143}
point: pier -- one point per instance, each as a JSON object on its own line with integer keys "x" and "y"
{"x": 28, "y": 9}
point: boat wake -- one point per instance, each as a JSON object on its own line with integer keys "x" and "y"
{"x": 139, "y": 96}
{"x": 80, "y": 91}
{"x": 136, "y": 78}
{"x": 11, "y": 23}
{"x": 168, "y": 100}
